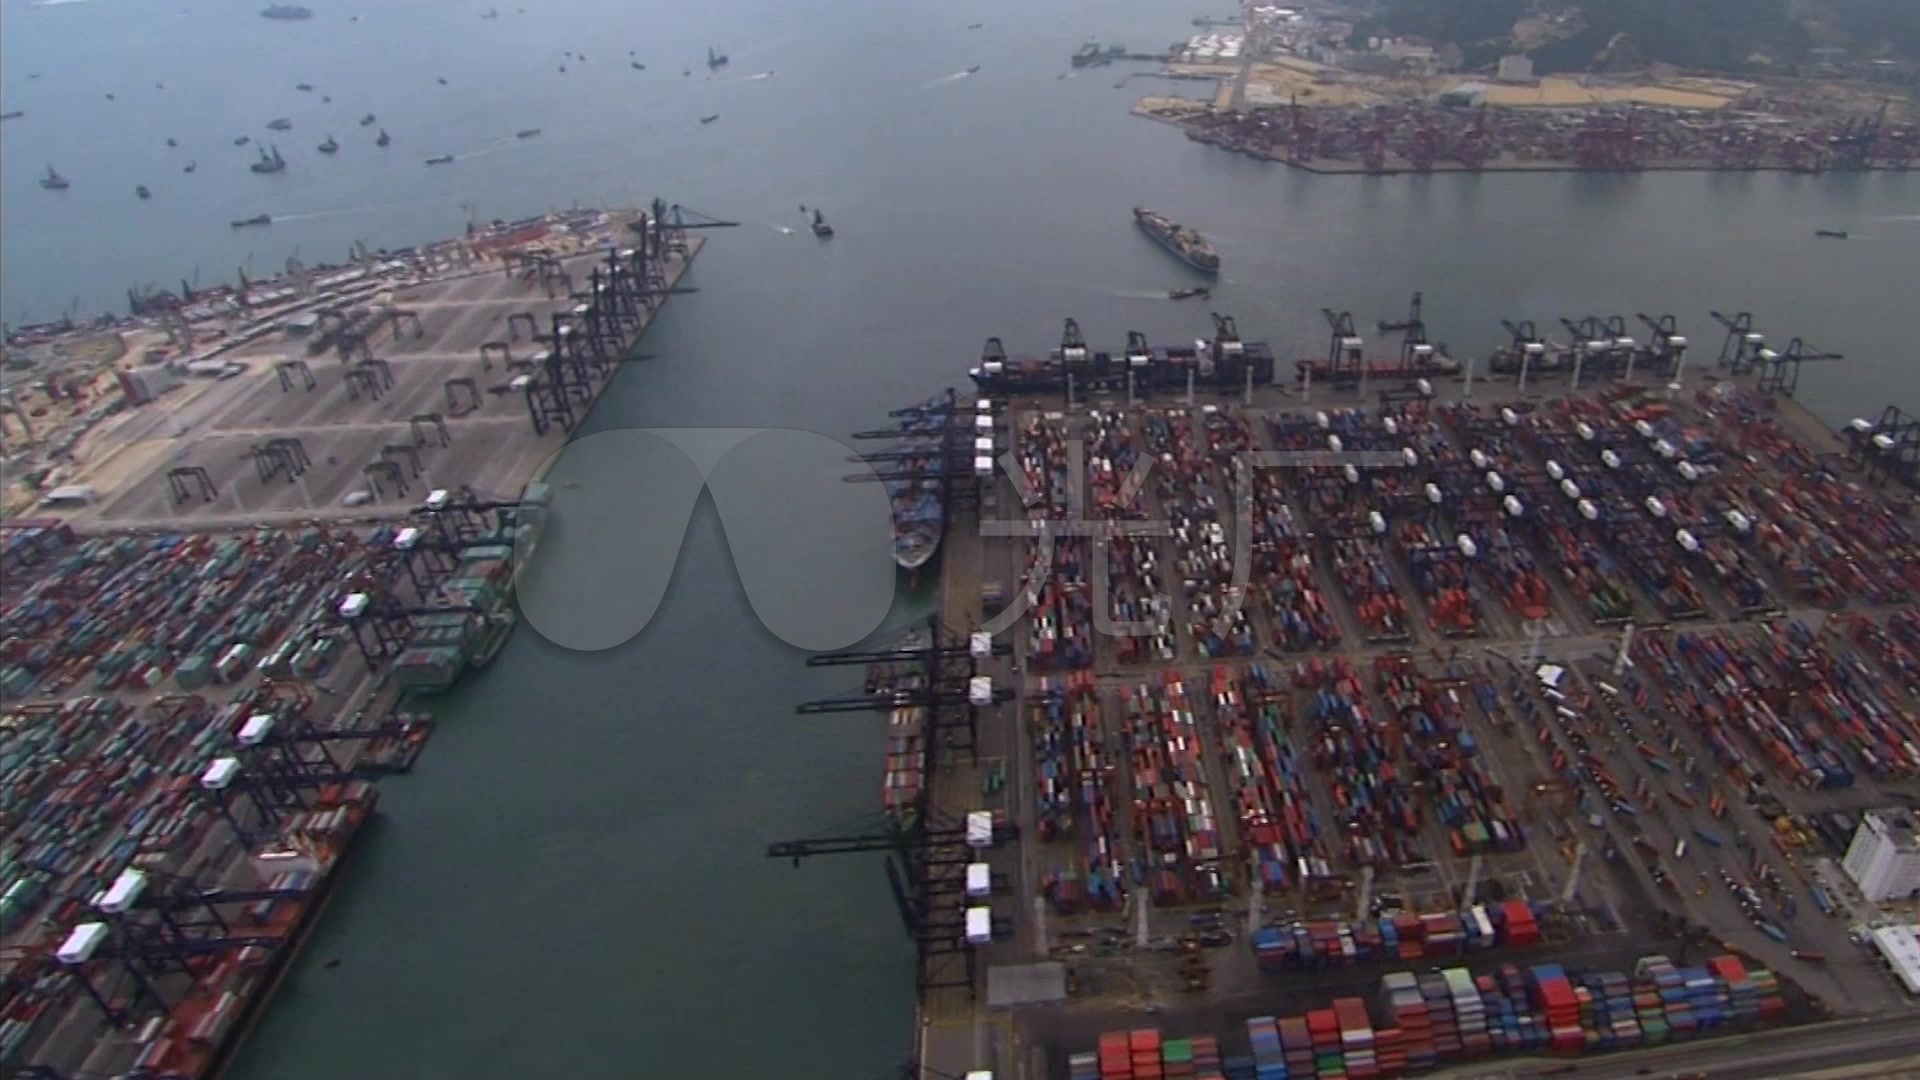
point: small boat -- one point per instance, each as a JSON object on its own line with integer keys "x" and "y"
{"x": 526, "y": 133}
{"x": 329, "y": 147}
{"x": 282, "y": 124}
{"x": 1188, "y": 294}
{"x": 141, "y": 190}
{"x": 492, "y": 13}
{"x": 820, "y": 227}
{"x": 384, "y": 138}
{"x": 257, "y": 219}
{"x": 710, "y": 119}
{"x": 636, "y": 65}
{"x": 442, "y": 80}
{"x": 326, "y": 99}
{"x": 440, "y": 159}
{"x": 14, "y": 115}
{"x": 1831, "y": 234}
{"x": 243, "y": 140}
{"x": 171, "y": 144}
{"x": 269, "y": 163}
{"x": 975, "y": 26}
{"x": 367, "y": 120}
{"x": 289, "y": 12}
{"x": 303, "y": 86}
{"x": 190, "y": 166}
{"x": 715, "y": 59}
{"x": 974, "y": 69}
{"x": 53, "y": 181}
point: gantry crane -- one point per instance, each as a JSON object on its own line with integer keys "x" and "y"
{"x": 927, "y": 851}
{"x": 1740, "y": 352}
{"x": 1781, "y": 373}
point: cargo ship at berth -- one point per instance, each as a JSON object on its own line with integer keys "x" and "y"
{"x": 913, "y": 488}
{"x": 906, "y": 727}
{"x": 1186, "y": 245}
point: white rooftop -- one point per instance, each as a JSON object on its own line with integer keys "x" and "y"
{"x": 1900, "y": 946}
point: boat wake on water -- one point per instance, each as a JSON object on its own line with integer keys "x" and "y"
{"x": 351, "y": 211}
{"x": 944, "y": 79}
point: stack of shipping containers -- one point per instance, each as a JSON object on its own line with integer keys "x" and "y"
{"x": 1451, "y": 1016}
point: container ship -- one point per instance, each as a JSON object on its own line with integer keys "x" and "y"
{"x": 1185, "y": 244}
{"x": 913, "y": 496}
{"x": 478, "y": 602}
{"x": 906, "y": 728}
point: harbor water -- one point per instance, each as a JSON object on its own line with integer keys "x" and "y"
{"x": 572, "y": 883}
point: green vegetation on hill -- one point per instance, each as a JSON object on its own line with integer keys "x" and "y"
{"x": 1712, "y": 35}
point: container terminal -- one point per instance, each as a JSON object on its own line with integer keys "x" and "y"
{"x": 210, "y": 660}
{"x": 1507, "y": 711}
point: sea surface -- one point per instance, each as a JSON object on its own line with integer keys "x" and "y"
{"x": 572, "y": 884}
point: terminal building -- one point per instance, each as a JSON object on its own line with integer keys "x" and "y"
{"x": 1884, "y": 858}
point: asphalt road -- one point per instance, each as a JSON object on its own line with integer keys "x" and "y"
{"x": 1743, "y": 1057}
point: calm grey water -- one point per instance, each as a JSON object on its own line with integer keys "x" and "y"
{"x": 572, "y": 885}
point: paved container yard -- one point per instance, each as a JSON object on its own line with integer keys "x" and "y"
{"x": 1347, "y": 721}
{"x": 433, "y": 391}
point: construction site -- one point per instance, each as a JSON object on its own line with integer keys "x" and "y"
{"x": 1361, "y": 717}
{"x": 229, "y": 620}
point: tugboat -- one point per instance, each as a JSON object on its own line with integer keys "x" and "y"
{"x": 384, "y": 138}
{"x": 282, "y": 124}
{"x": 1185, "y": 244}
{"x": 257, "y": 219}
{"x": 1831, "y": 234}
{"x": 820, "y": 227}
{"x": 440, "y": 159}
{"x": 329, "y": 147}
{"x": 367, "y": 120}
{"x": 53, "y": 181}
{"x": 269, "y": 163}
{"x": 1187, "y": 294}
{"x": 141, "y": 190}
{"x": 710, "y": 118}
{"x": 715, "y": 59}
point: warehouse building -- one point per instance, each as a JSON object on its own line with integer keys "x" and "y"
{"x": 1899, "y": 946}
{"x": 1884, "y": 858}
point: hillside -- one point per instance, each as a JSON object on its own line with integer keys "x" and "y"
{"x": 1602, "y": 35}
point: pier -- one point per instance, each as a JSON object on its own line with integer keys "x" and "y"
{"x": 1515, "y": 614}
{"x": 230, "y": 633}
